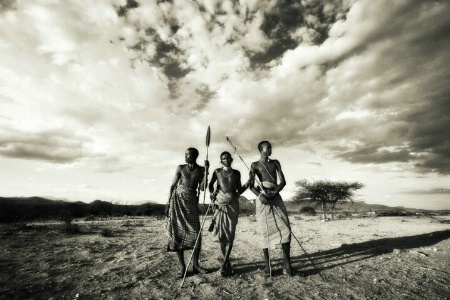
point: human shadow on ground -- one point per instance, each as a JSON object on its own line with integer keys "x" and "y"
{"x": 351, "y": 253}
{"x": 314, "y": 263}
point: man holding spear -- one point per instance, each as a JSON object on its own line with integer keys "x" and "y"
{"x": 226, "y": 199}
{"x": 183, "y": 222}
{"x": 270, "y": 210}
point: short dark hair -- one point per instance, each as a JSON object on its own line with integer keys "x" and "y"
{"x": 225, "y": 152}
{"x": 194, "y": 151}
{"x": 260, "y": 145}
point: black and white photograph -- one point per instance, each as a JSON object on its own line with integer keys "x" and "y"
{"x": 225, "y": 149}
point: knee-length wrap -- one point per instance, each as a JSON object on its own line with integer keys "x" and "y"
{"x": 183, "y": 224}
{"x": 273, "y": 220}
{"x": 226, "y": 216}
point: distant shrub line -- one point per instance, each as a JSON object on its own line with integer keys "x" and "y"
{"x": 19, "y": 211}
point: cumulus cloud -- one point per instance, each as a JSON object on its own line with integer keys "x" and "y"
{"x": 53, "y": 146}
{"x": 365, "y": 80}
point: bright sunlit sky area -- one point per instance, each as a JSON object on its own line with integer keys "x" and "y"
{"x": 101, "y": 99}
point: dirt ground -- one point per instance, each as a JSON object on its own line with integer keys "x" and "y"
{"x": 360, "y": 258}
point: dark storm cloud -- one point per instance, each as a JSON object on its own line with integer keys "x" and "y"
{"x": 412, "y": 124}
{"x": 376, "y": 154}
{"x": 205, "y": 96}
{"x": 52, "y": 146}
{"x": 167, "y": 56}
{"x": 286, "y": 17}
{"x": 278, "y": 25}
{"x": 7, "y": 4}
{"x": 123, "y": 10}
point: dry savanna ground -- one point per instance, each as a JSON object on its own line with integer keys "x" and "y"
{"x": 359, "y": 258}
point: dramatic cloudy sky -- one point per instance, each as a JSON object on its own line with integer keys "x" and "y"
{"x": 100, "y": 99}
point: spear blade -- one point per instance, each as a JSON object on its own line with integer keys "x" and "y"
{"x": 208, "y": 136}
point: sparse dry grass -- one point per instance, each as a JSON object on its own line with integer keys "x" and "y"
{"x": 371, "y": 258}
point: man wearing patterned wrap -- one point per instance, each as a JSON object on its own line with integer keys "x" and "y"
{"x": 226, "y": 200}
{"x": 271, "y": 214}
{"x": 182, "y": 212}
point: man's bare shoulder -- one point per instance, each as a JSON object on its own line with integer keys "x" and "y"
{"x": 276, "y": 163}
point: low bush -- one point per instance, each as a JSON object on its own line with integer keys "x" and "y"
{"x": 308, "y": 210}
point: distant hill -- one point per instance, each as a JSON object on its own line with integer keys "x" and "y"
{"x": 16, "y": 209}
{"x": 359, "y": 206}
{"x": 28, "y": 200}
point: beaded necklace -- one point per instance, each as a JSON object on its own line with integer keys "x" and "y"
{"x": 193, "y": 171}
{"x": 225, "y": 174}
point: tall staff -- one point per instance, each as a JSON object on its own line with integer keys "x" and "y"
{"x": 276, "y": 210}
{"x": 205, "y": 180}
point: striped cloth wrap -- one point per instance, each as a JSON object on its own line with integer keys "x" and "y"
{"x": 225, "y": 217}
{"x": 273, "y": 221}
{"x": 183, "y": 224}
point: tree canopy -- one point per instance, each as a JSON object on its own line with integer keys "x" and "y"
{"x": 326, "y": 192}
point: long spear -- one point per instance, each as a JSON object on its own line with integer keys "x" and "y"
{"x": 205, "y": 180}
{"x": 259, "y": 183}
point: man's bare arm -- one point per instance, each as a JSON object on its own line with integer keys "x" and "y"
{"x": 211, "y": 186}
{"x": 204, "y": 181}
{"x": 252, "y": 180}
{"x": 175, "y": 180}
{"x": 282, "y": 183}
{"x": 240, "y": 188}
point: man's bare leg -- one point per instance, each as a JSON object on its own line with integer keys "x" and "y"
{"x": 287, "y": 268}
{"x": 267, "y": 269}
{"x": 226, "y": 265}
{"x": 196, "y": 266}
{"x": 180, "y": 254}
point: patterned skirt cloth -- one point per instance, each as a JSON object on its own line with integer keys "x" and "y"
{"x": 225, "y": 217}
{"x": 273, "y": 222}
{"x": 183, "y": 224}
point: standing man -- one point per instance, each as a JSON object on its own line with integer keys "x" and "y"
{"x": 271, "y": 213}
{"x": 183, "y": 222}
{"x": 226, "y": 199}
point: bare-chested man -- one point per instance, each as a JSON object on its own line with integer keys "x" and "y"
{"x": 271, "y": 213}
{"x": 226, "y": 199}
{"x": 183, "y": 222}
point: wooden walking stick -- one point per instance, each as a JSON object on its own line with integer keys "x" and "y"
{"x": 205, "y": 181}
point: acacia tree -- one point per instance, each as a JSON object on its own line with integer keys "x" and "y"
{"x": 326, "y": 193}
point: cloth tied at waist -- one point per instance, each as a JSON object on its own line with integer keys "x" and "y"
{"x": 225, "y": 198}
{"x": 267, "y": 185}
{"x": 184, "y": 189}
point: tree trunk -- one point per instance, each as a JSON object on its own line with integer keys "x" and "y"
{"x": 323, "y": 212}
